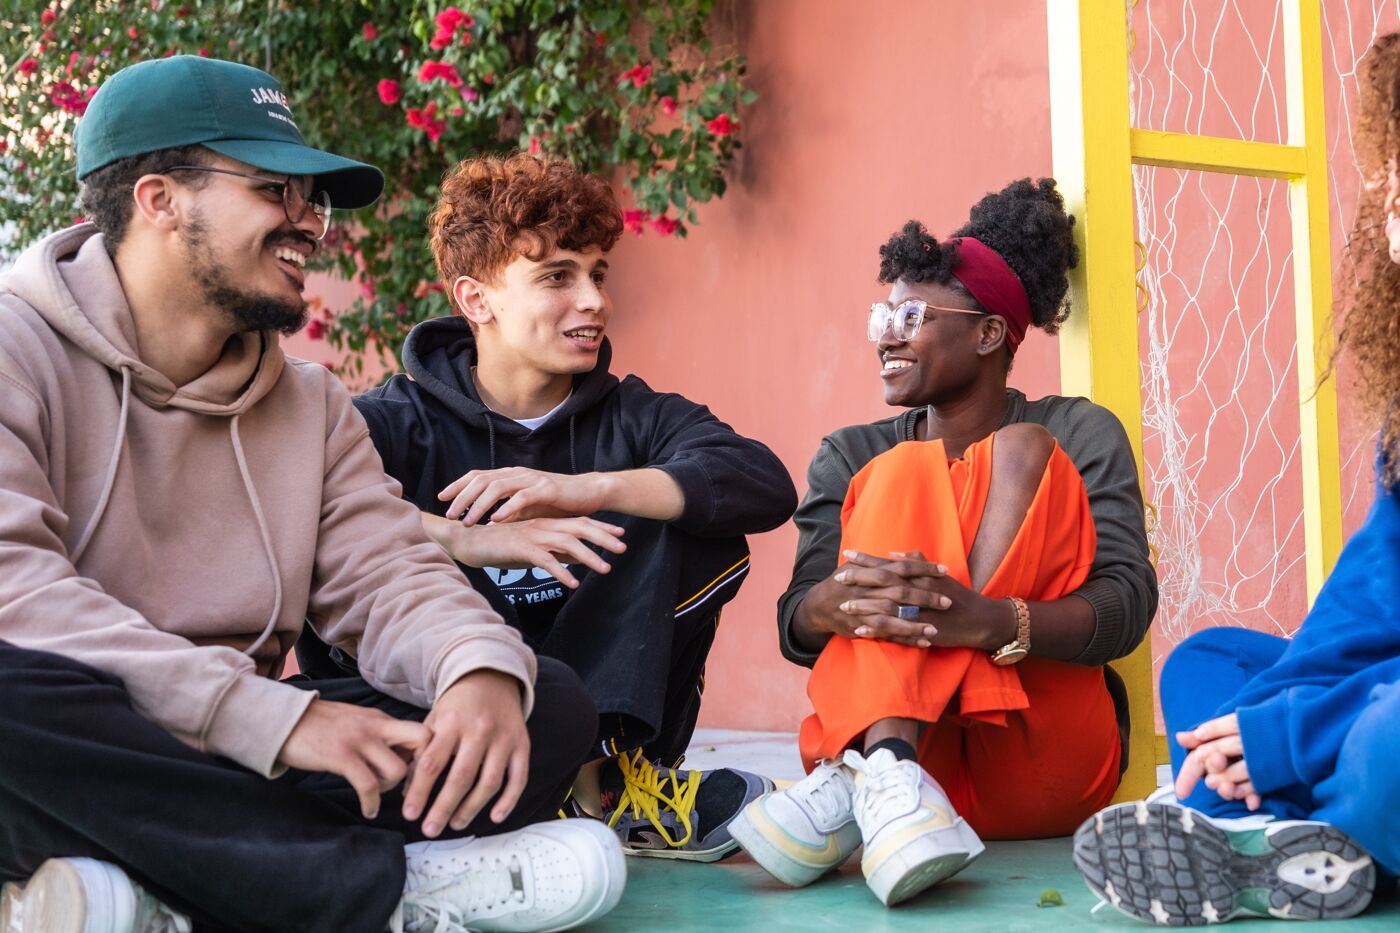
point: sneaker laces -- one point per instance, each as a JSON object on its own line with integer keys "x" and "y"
{"x": 487, "y": 884}
{"x": 830, "y": 797}
{"x": 888, "y": 792}
{"x": 644, "y": 791}
{"x": 155, "y": 916}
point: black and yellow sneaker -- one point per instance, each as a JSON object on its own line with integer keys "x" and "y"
{"x": 669, "y": 813}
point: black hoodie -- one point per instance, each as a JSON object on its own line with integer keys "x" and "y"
{"x": 430, "y": 427}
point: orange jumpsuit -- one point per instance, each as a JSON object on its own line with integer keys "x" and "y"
{"x": 1024, "y": 751}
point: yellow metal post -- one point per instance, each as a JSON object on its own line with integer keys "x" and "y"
{"x": 1098, "y": 358}
{"x": 1312, "y": 286}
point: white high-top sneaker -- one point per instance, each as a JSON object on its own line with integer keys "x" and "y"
{"x": 549, "y": 876}
{"x": 83, "y": 895}
{"x": 1168, "y": 864}
{"x": 913, "y": 837}
{"x": 804, "y": 831}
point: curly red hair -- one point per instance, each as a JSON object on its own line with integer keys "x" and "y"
{"x": 495, "y": 208}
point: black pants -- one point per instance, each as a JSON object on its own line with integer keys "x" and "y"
{"x": 83, "y": 774}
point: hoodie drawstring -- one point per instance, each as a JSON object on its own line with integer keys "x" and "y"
{"x": 573, "y": 460}
{"x": 490, "y": 442}
{"x": 113, "y": 462}
{"x": 271, "y": 625}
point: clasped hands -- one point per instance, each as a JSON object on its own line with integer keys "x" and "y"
{"x": 862, "y": 599}
{"x": 542, "y": 522}
{"x": 1215, "y": 752}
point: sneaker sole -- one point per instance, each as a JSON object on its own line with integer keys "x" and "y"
{"x": 923, "y": 862}
{"x": 613, "y": 867}
{"x": 1167, "y": 865}
{"x": 782, "y": 865}
{"x": 68, "y": 896}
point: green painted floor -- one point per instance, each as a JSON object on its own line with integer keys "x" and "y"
{"x": 998, "y": 892}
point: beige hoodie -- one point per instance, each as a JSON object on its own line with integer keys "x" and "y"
{"x": 177, "y": 538}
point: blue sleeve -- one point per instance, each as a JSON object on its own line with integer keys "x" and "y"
{"x": 1295, "y": 715}
{"x": 732, "y": 485}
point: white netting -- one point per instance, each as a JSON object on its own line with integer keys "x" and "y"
{"x": 1217, "y": 329}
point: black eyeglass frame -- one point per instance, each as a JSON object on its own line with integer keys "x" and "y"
{"x": 318, "y": 202}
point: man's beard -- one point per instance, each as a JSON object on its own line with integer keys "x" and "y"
{"x": 248, "y": 310}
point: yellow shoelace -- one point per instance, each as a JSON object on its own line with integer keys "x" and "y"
{"x": 644, "y": 791}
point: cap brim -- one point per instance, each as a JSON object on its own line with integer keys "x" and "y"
{"x": 350, "y": 184}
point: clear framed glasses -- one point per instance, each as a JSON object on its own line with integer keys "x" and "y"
{"x": 295, "y": 204}
{"x": 904, "y": 320}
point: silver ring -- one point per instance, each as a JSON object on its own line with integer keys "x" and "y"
{"x": 908, "y": 613}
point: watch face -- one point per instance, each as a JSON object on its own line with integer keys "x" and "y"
{"x": 1009, "y": 655}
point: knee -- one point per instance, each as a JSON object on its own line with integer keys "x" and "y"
{"x": 1024, "y": 449}
{"x": 31, "y": 681}
{"x": 1244, "y": 648}
{"x": 563, "y": 712}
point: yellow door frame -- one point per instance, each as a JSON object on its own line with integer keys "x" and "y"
{"x": 1095, "y": 148}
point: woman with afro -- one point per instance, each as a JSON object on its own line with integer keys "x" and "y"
{"x": 1287, "y": 792}
{"x": 965, "y": 570}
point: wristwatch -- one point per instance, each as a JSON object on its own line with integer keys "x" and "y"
{"x": 1014, "y": 651}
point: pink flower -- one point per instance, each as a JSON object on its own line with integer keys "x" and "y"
{"x": 426, "y": 121}
{"x": 79, "y": 219}
{"x": 315, "y": 330}
{"x": 370, "y": 32}
{"x": 451, "y": 18}
{"x": 47, "y": 17}
{"x": 469, "y": 94}
{"x": 442, "y": 38}
{"x": 133, "y": 32}
{"x": 639, "y": 75}
{"x": 28, "y": 66}
{"x": 431, "y": 71}
{"x": 203, "y": 52}
{"x": 632, "y": 221}
{"x": 668, "y": 105}
{"x": 389, "y": 91}
{"x": 665, "y": 226}
{"x": 600, "y": 40}
{"x": 535, "y": 147}
{"x": 722, "y": 125}
{"x": 328, "y": 364}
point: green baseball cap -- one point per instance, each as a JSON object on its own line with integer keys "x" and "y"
{"x": 233, "y": 109}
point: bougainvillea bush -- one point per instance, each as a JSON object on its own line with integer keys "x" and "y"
{"x": 632, "y": 88}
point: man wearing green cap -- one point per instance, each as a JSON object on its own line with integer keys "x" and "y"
{"x": 176, "y": 497}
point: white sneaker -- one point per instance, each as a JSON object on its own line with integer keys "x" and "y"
{"x": 549, "y": 876}
{"x": 83, "y": 895}
{"x": 913, "y": 837}
{"x": 804, "y": 831}
{"x": 1167, "y": 864}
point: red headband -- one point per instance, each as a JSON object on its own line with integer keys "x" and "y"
{"x": 990, "y": 280}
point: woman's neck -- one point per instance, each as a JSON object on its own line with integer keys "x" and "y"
{"x": 965, "y": 420}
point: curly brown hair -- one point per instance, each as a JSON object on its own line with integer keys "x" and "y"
{"x": 495, "y": 208}
{"x": 1370, "y": 309}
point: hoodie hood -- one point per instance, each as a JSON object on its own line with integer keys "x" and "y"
{"x": 55, "y": 271}
{"x": 440, "y": 353}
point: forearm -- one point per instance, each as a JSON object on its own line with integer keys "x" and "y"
{"x": 1060, "y": 628}
{"x": 647, "y": 493}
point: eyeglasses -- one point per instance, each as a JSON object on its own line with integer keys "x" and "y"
{"x": 904, "y": 321}
{"x": 294, "y": 203}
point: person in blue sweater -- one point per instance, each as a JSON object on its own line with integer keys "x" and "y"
{"x": 604, "y": 520}
{"x": 1287, "y": 794}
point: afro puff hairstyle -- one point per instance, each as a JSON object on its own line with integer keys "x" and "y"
{"x": 1025, "y": 223}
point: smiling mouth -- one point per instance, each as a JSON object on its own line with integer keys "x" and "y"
{"x": 584, "y": 334}
{"x": 895, "y": 365}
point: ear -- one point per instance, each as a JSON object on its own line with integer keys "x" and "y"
{"x": 992, "y": 334}
{"x": 154, "y": 199}
{"x": 469, "y": 296}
